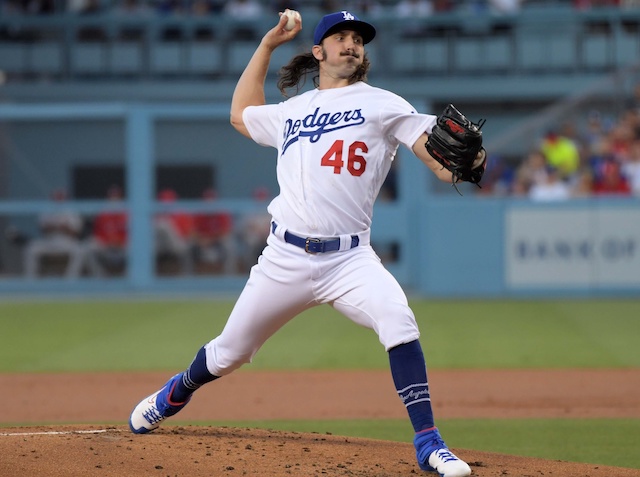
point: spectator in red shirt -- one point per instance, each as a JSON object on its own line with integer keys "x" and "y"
{"x": 106, "y": 249}
{"x": 174, "y": 233}
{"x": 110, "y": 228}
{"x": 610, "y": 180}
{"x": 214, "y": 242}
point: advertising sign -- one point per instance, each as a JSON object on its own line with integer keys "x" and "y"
{"x": 572, "y": 247}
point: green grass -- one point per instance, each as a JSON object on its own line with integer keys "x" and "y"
{"x": 105, "y": 336}
{"x": 121, "y": 335}
{"x": 531, "y": 334}
{"x": 598, "y": 441}
{"x": 164, "y": 335}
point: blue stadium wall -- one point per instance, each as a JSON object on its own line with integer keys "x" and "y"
{"x": 450, "y": 245}
{"x": 73, "y": 103}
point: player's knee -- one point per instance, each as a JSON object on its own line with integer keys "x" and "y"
{"x": 397, "y": 328}
{"x": 222, "y": 360}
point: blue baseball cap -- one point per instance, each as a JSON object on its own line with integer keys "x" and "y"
{"x": 342, "y": 21}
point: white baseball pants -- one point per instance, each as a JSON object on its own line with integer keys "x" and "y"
{"x": 287, "y": 280}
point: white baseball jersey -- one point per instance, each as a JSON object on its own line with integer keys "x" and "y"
{"x": 335, "y": 148}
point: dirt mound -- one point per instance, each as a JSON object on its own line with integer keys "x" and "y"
{"x": 207, "y": 451}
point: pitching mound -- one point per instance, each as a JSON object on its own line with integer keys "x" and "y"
{"x": 205, "y": 452}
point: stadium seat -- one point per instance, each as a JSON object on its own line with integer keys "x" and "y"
{"x": 550, "y": 52}
{"x": 46, "y": 58}
{"x": 468, "y": 55}
{"x": 240, "y": 53}
{"x": 628, "y": 49}
{"x": 282, "y": 55}
{"x": 204, "y": 58}
{"x": 166, "y": 58}
{"x": 429, "y": 55}
{"x": 596, "y": 51}
{"x": 126, "y": 58}
{"x": 13, "y": 57}
{"x": 435, "y": 55}
{"x": 89, "y": 59}
{"x": 498, "y": 53}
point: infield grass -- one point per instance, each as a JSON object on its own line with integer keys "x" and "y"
{"x": 125, "y": 336}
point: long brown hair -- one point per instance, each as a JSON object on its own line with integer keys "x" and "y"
{"x": 294, "y": 74}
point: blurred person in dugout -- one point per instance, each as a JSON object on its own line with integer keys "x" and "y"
{"x": 214, "y": 246}
{"x": 60, "y": 238}
{"x": 173, "y": 233}
{"x": 106, "y": 249}
{"x": 254, "y": 229}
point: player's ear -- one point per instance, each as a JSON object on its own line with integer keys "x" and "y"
{"x": 318, "y": 52}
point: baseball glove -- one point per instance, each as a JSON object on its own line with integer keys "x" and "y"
{"x": 456, "y": 143}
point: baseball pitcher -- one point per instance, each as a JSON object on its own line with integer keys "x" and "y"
{"x": 335, "y": 145}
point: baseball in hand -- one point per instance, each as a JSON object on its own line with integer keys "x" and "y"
{"x": 291, "y": 15}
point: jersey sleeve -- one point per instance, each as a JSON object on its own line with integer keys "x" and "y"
{"x": 262, "y": 122}
{"x": 400, "y": 120}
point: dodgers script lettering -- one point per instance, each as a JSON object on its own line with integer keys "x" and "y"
{"x": 316, "y": 124}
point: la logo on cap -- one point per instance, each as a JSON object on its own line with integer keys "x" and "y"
{"x": 343, "y": 19}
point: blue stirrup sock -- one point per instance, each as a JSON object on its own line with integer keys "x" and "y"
{"x": 193, "y": 378}
{"x": 409, "y": 373}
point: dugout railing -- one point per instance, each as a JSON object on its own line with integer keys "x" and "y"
{"x": 438, "y": 244}
{"x": 29, "y": 176}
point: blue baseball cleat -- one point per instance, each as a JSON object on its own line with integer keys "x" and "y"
{"x": 434, "y": 456}
{"x": 154, "y": 409}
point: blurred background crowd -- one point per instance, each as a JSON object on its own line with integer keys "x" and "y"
{"x": 597, "y": 156}
{"x": 249, "y": 9}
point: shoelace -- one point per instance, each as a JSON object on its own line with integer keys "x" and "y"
{"x": 437, "y": 441}
{"x": 427, "y": 447}
{"x": 152, "y": 415}
{"x": 445, "y": 455}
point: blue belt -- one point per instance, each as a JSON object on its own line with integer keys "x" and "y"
{"x": 315, "y": 245}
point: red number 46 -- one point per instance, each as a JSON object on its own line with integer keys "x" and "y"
{"x": 356, "y": 163}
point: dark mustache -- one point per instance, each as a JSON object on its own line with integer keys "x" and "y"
{"x": 350, "y": 53}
